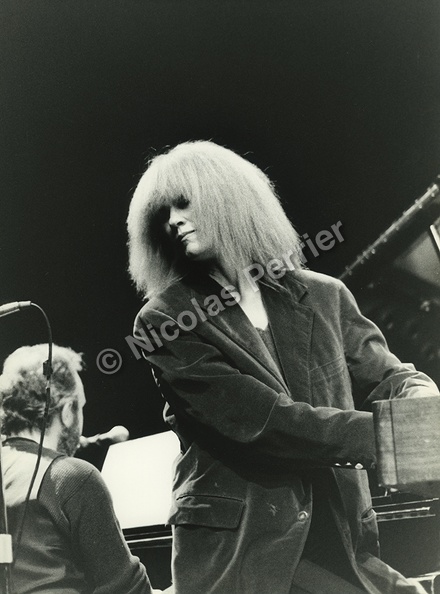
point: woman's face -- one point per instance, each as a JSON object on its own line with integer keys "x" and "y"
{"x": 182, "y": 225}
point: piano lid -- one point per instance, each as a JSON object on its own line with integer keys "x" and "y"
{"x": 411, "y": 243}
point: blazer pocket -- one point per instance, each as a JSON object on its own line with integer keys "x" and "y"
{"x": 331, "y": 386}
{"x": 212, "y": 511}
{"x": 328, "y": 370}
{"x": 369, "y": 535}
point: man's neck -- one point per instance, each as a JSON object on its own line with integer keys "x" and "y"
{"x": 50, "y": 439}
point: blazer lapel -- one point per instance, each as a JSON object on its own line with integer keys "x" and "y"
{"x": 233, "y": 322}
{"x": 291, "y": 324}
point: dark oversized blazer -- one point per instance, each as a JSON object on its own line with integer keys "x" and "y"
{"x": 241, "y": 507}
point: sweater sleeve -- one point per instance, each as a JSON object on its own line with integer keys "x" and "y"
{"x": 100, "y": 545}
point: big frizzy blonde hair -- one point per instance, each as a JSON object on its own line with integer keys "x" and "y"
{"x": 233, "y": 201}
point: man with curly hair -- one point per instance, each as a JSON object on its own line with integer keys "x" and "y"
{"x": 66, "y": 539}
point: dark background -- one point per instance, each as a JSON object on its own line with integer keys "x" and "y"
{"x": 338, "y": 101}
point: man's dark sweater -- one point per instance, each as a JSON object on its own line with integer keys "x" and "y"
{"x": 71, "y": 543}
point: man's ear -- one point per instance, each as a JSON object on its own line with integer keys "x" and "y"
{"x": 67, "y": 415}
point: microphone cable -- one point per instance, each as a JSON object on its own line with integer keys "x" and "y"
{"x": 47, "y": 371}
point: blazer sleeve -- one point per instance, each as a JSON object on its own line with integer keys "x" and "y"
{"x": 205, "y": 388}
{"x": 375, "y": 372}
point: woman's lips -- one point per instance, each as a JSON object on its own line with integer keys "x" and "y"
{"x": 184, "y": 235}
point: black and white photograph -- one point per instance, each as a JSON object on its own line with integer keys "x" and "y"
{"x": 220, "y": 297}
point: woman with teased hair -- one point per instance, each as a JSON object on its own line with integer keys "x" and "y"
{"x": 233, "y": 202}
{"x": 268, "y": 387}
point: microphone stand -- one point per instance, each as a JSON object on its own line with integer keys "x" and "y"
{"x": 5, "y": 539}
{"x": 6, "y": 556}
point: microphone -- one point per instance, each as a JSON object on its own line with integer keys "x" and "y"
{"x": 13, "y": 307}
{"x": 115, "y": 435}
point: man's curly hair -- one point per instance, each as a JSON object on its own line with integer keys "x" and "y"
{"x": 23, "y": 386}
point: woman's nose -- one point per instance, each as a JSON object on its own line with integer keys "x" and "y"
{"x": 176, "y": 217}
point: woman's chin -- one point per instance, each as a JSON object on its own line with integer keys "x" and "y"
{"x": 193, "y": 253}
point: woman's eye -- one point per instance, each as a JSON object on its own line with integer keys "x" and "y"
{"x": 163, "y": 214}
{"x": 181, "y": 202}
